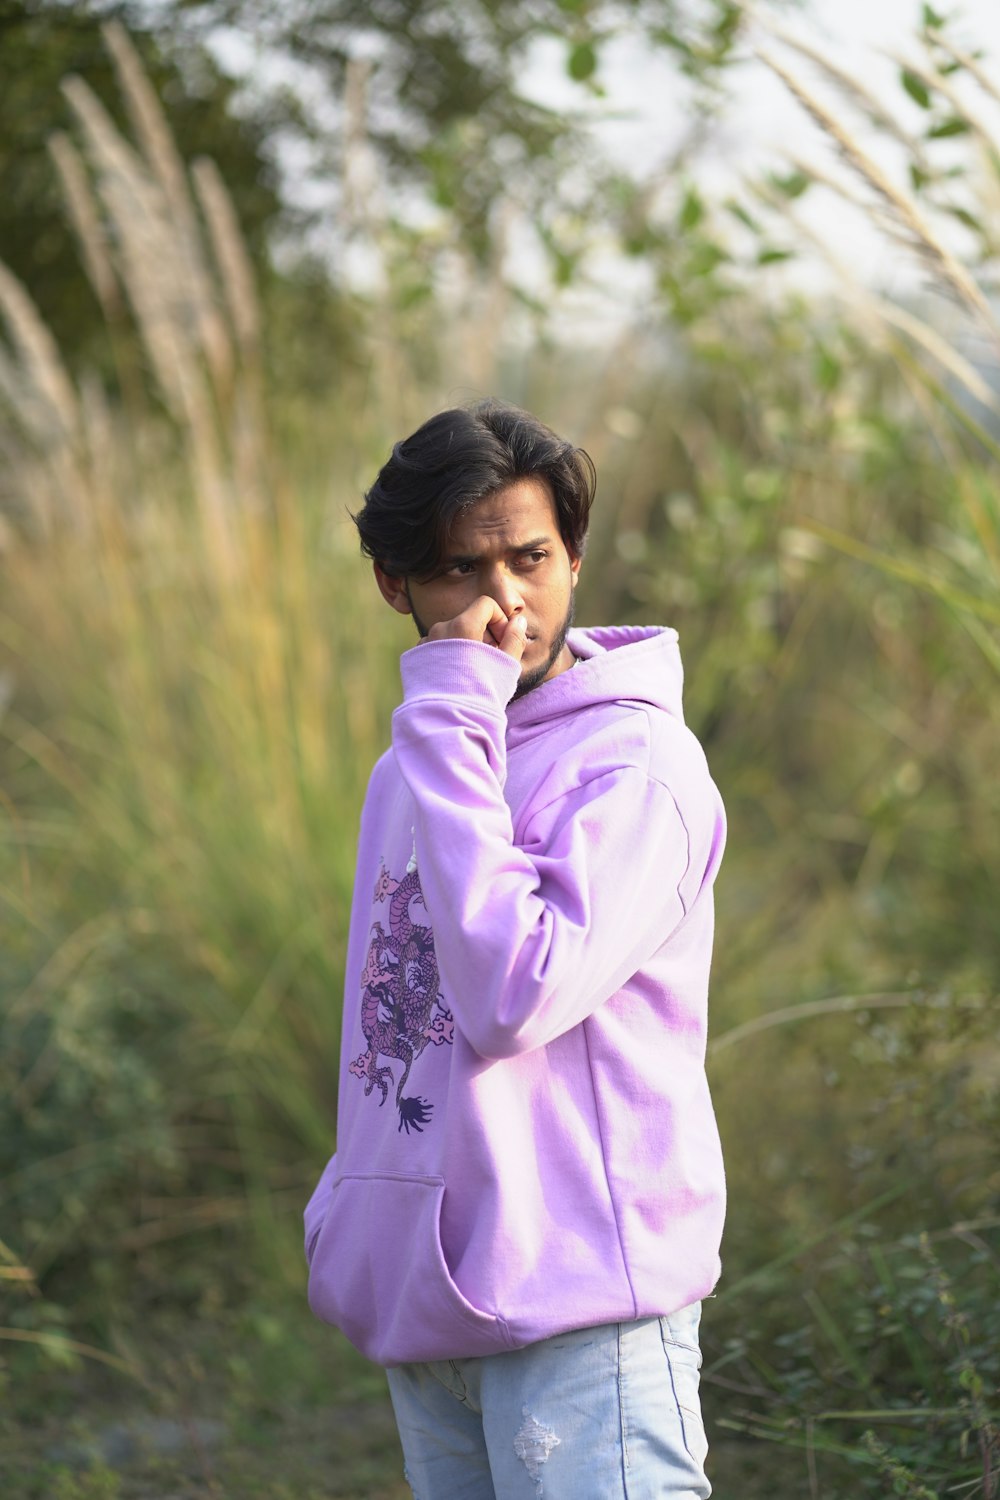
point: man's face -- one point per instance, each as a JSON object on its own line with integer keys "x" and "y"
{"x": 509, "y": 548}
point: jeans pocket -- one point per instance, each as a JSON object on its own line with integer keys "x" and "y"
{"x": 680, "y": 1345}
{"x": 682, "y": 1328}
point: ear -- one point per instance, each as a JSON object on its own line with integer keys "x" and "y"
{"x": 574, "y": 567}
{"x": 392, "y": 589}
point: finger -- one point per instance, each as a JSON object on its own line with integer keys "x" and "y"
{"x": 492, "y": 618}
{"x": 513, "y": 639}
{"x": 482, "y": 620}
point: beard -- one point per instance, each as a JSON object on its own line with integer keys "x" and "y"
{"x": 537, "y": 675}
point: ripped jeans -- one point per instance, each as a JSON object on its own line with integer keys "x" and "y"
{"x": 606, "y": 1413}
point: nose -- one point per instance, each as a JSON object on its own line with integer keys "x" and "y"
{"x": 502, "y": 587}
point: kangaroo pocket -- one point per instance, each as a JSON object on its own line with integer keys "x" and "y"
{"x": 379, "y": 1273}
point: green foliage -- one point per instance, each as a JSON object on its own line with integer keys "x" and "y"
{"x": 96, "y": 1483}
{"x": 85, "y": 1116}
{"x": 581, "y": 64}
{"x": 42, "y": 45}
{"x": 185, "y": 739}
{"x": 917, "y": 90}
{"x": 431, "y": 90}
{"x": 895, "y": 1374}
{"x": 945, "y": 129}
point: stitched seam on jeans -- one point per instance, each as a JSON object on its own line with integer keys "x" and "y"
{"x": 689, "y": 1346}
{"x": 621, "y": 1412}
{"x": 680, "y": 1408}
{"x": 461, "y": 1396}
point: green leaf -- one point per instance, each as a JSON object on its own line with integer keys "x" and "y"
{"x": 965, "y": 217}
{"x": 726, "y": 26}
{"x": 692, "y": 210}
{"x": 827, "y": 369}
{"x": 769, "y": 256}
{"x": 413, "y": 295}
{"x": 639, "y": 242}
{"x": 955, "y": 125}
{"x": 705, "y": 257}
{"x": 582, "y": 62}
{"x": 672, "y": 39}
{"x": 742, "y": 214}
{"x": 792, "y": 185}
{"x": 932, "y": 20}
{"x": 915, "y": 88}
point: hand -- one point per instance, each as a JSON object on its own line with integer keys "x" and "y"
{"x": 484, "y": 621}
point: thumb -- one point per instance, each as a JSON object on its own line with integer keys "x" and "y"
{"x": 513, "y": 638}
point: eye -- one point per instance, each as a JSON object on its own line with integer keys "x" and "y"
{"x": 461, "y": 570}
{"x": 532, "y": 559}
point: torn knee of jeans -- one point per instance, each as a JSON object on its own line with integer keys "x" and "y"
{"x": 533, "y": 1444}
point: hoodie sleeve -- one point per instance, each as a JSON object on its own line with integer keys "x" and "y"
{"x": 530, "y": 938}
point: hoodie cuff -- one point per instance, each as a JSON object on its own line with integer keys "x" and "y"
{"x": 470, "y": 670}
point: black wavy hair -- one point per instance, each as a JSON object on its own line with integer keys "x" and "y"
{"x": 455, "y": 459}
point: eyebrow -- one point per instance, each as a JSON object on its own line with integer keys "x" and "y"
{"x": 469, "y": 557}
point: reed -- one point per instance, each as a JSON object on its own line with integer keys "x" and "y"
{"x": 200, "y": 675}
{"x": 216, "y": 692}
{"x": 967, "y": 588}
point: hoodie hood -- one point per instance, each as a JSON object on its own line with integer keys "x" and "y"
{"x": 615, "y": 664}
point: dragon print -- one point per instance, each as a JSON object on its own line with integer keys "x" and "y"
{"x": 402, "y": 1009}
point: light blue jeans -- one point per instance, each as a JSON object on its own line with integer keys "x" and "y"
{"x": 607, "y": 1413}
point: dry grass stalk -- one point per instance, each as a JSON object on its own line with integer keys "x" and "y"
{"x": 139, "y": 231}
{"x": 103, "y": 446}
{"x": 19, "y": 493}
{"x": 86, "y": 223}
{"x": 10, "y": 382}
{"x": 903, "y": 215}
{"x": 40, "y": 397}
{"x": 235, "y": 271}
{"x": 25, "y": 409}
{"x": 358, "y": 169}
{"x": 247, "y": 422}
{"x": 879, "y": 314}
{"x": 965, "y": 60}
{"x": 40, "y": 359}
{"x": 941, "y": 350}
{"x": 153, "y": 268}
{"x": 987, "y": 529}
{"x": 167, "y": 167}
{"x": 826, "y": 179}
{"x": 936, "y": 82}
{"x": 108, "y": 147}
{"x": 848, "y": 86}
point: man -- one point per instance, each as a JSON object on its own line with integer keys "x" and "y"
{"x": 525, "y": 1207}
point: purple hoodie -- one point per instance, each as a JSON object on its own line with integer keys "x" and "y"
{"x": 526, "y": 1142}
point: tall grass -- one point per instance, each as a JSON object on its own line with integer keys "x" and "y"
{"x": 197, "y": 691}
{"x": 198, "y": 676}
{"x": 907, "y": 1339}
